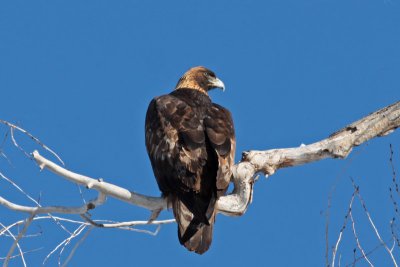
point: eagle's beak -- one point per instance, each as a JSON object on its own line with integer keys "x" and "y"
{"x": 217, "y": 83}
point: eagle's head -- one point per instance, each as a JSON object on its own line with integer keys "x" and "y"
{"x": 200, "y": 78}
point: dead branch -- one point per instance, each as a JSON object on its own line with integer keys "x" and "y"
{"x": 151, "y": 203}
{"x": 337, "y": 145}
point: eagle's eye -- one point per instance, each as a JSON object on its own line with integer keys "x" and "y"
{"x": 209, "y": 74}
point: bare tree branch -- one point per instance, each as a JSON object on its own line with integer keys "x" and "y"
{"x": 151, "y": 203}
{"x": 337, "y": 145}
{"x": 53, "y": 209}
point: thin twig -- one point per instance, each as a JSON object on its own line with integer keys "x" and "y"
{"x": 394, "y": 184}
{"x": 335, "y": 249}
{"x": 16, "y": 144}
{"x": 393, "y": 170}
{"x": 349, "y": 162}
{"x": 67, "y": 243}
{"x": 1, "y": 148}
{"x": 32, "y": 199}
{"x": 373, "y": 226}
{"x": 67, "y": 240}
{"x": 7, "y": 258}
{"x": 128, "y": 225}
{"x": 27, "y": 236}
{"x": 71, "y": 254}
{"x": 358, "y": 241}
{"x": 13, "y": 126}
{"x": 19, "y": 255}
{"x": 81, "y": 193}
{"x": 19, "y": 188}
{"x": 362, "y": 257}
{"x": 16, "y": 244}
{"x": 5, "y": 156}
{"x": 394, "y": 235}
{"x": 4, "y": 139}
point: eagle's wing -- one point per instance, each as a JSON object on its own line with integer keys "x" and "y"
{"x": 191, "y": 159}
{"x": 221, "y": 134}
{"x": 175, "y": 142}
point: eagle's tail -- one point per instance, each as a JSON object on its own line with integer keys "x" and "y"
{"x": 194, "y": 232}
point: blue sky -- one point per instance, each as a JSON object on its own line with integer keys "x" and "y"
{"x": 80, "y": 74}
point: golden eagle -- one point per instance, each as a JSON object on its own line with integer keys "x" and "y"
{"x": 191, "y": 145}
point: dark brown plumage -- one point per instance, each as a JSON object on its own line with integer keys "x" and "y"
{"x": 191, "y": 145}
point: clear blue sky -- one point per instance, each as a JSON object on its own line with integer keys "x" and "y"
{"x": 80, "y": 74}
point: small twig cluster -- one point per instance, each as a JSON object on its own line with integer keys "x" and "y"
{"x": 83, "y": 228}
{"x": 393, "y": 240}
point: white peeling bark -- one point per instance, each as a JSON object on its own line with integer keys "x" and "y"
{"x": 338, "y": 145}
{"x": 151, "y": 203}
{"x": 54, "y": 209}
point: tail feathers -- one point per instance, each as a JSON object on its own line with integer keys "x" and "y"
{"x": 200, "y": 242}
{"x": 193, "y": 232}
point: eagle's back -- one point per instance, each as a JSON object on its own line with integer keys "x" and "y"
{"x": 190, "y": 142}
